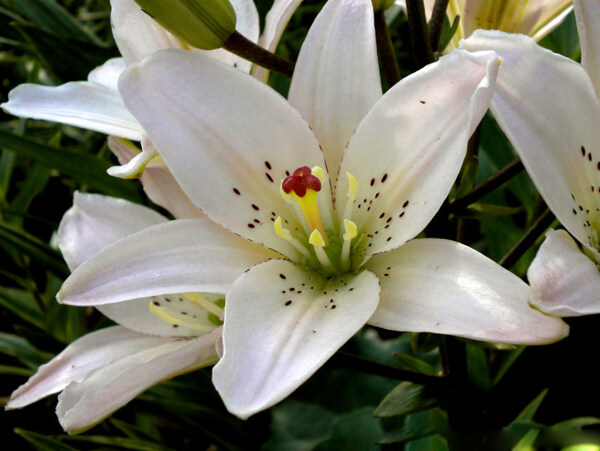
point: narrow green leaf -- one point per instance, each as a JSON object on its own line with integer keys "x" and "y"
{"x": 22, "y": 350}
{"x": 53, "y": 18}
{"x": 67, "y": 59}
{"x": 118, "y": 442}
{"x": 424, "y": 342}
{"x": 131, "y": 431}
{"x": 448, "y": 32}
{"x": 526, "y": 443}
{"x": 34, "y": 248}
{"x": 404, "y": 399}
{"x": 482, "y": 211}
{"x": 468, "y": 177}
{"x": 406, "y": 435}
{"x": 83, "y": 168}
{"x": 529, "y": 412}
{"x": 577, "y": 423}
{"x": 22, "y": 304}
{"x": 43, "y": 442}
{"x": 511, "y": 357}
{"x": 408, "y": 362}
{"x": 15, "y": 370}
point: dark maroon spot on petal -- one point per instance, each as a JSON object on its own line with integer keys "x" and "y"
{"x": 269, "y": 177}
{"x": 288, "y": 302}
{"x": 590, "y": 156}
{"x": 582, "y": 151}
{"x": 292, "y": 289}
{"x": 422, "y": 102}
{"x": 405, "y": 204}
{"x": 251, "y": 225}
{"x": 282, "y": 276}
{"x": 384, "y": 178}
{"x": 236, "y": 191}
{"x": 268, "y": 165}
{"x": 376, "y": 195}
{"x": 389, "y": 219}
{"x": 372, "y": 182}
{"x": 255, "y": 207}
{"x": 156, "y": 303}
{"x": 381, "y": 215}
{"x": 333, "y": 306}
{"x": 389, "y": 238}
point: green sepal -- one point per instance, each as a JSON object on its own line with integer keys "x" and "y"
{"x": 204, "y": 24}
{"x": 406, "y": 398}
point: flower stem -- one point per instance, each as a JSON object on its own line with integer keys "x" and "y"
{"x": 419, "y": 34}
{"x": 368, "y": 366}
{"x": 527, "y": 240}
{"x": 487, "y": 186}
{"x": 385, "y": 48}
{"x": 436, "y": 23}
{"x": 238, "y": 44}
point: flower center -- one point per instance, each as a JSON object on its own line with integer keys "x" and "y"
{"x": 328, "y": 250}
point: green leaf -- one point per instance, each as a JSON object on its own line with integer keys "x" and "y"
{"x": 406, "y": 398}
{"x": 424, "y": 342}
{"x": 53, "y": 18}
{"x": 43, "y": 442}
{"x": 132, "y": 431}
{"x": 526, "y": 443}
{"x": 357, "y": 430}
{"x": 118, "y": 442}
{"x": 528, "y": 412}
{"x": 83, "y": 168}
{"x": 468, "y": 177}
{"x": 509, "y": 358}
{"x": 477, "y": 368}
{"x": 21, "y": 349}
{"x": 16, "y": 370}
{"x": 408, "y": 362}
{"x": 22, "y": 304}
{"x": 406, "y": 435}
{"x": 479, "y": 210}
{"x": 67, "y": 59}
{"x": 448, "y": 32}
{"x": 34, "y": 248}
{"x": 576, "y": 423}
{"x": 425, "y": 421}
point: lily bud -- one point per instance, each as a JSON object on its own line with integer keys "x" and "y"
{"x": 382, "y": 4}
{"x": 204, "y": 24}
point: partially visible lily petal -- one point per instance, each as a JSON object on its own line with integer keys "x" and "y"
{"x": 84, "y": 355}
{"x": 277, "y": 19}
{"x": 181, "y": 256}
{"x": 444, "y": 287}
{"x": 158, "y": 183}
{"x": 336, "y": 79}
{"x": 408, "y": 150}
{"x": 562, "y": 161}
{"x": 80, "y": 103}
{"x": 83, "y": 404}
{"x": 563, "y": 280}
{"x": 302, "y": 318}
{"x": 93, "y": 223}
{"x": 108, "y": 73}
{"x": 587, "y": 13}
{"x": 205, "y": 127}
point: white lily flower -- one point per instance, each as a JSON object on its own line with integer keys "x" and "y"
{"x": 249, "y": 160}
{"x": 549, "y": 108}
{"x": 157, "y": 337}
{"x": 536, "y": 18}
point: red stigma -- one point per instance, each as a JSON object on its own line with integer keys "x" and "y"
{"x": 301, "y": 180}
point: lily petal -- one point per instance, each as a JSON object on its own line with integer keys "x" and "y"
{"x": 93, "y": 223}
{"x": 158, "y": 182}
{"x": 136, "y": 34}
{"x": 108, "y": 73}
{"x": 587, "y": 13}
{"x": 281, "y": 324}
{"x": 84, "y": 355}
{"x": 444, "y": 287}
{"x": 181, "y": 256}
{"x": 564, "y": 281}
{"x": 277, "y": 19}
{"x": 226, "y": 131}
{"x": 560, "y": 159}
{"x": 83, "y": 404}
{"x": 408, "y": 150}
{"x": 80, "y": 103}
{"x": 336, "y": 79}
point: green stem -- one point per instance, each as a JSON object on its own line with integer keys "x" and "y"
{"x": 527, "y": 240}
{"x": 487, "y": 186}
{"x": 419, "y": 34}
{"x": 238, "y": 44}
{"x": 385, "y": 48}
{"x": 436, "y": 23}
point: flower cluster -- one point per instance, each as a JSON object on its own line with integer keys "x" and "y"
{"x": 299, "y": 221}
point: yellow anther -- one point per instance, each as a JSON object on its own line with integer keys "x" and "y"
{"x": 280, "y": 231}
{"x": 316, "y": 239}
{"x": 351, "y": 230}
{"x": 319, "y": 173}
{"x": 352, "y": 187}
{"x": 287, "y": 197}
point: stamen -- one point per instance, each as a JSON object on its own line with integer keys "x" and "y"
{"x": 201, "y": 301}
{"x": 352, "y": 190}
{"x": 135, "y": 167}
{"x": 170, "y": 317}
{"x": 316, "y": 239}
{"x": 350, "y": 233}
{"x": 284, "y": 233}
